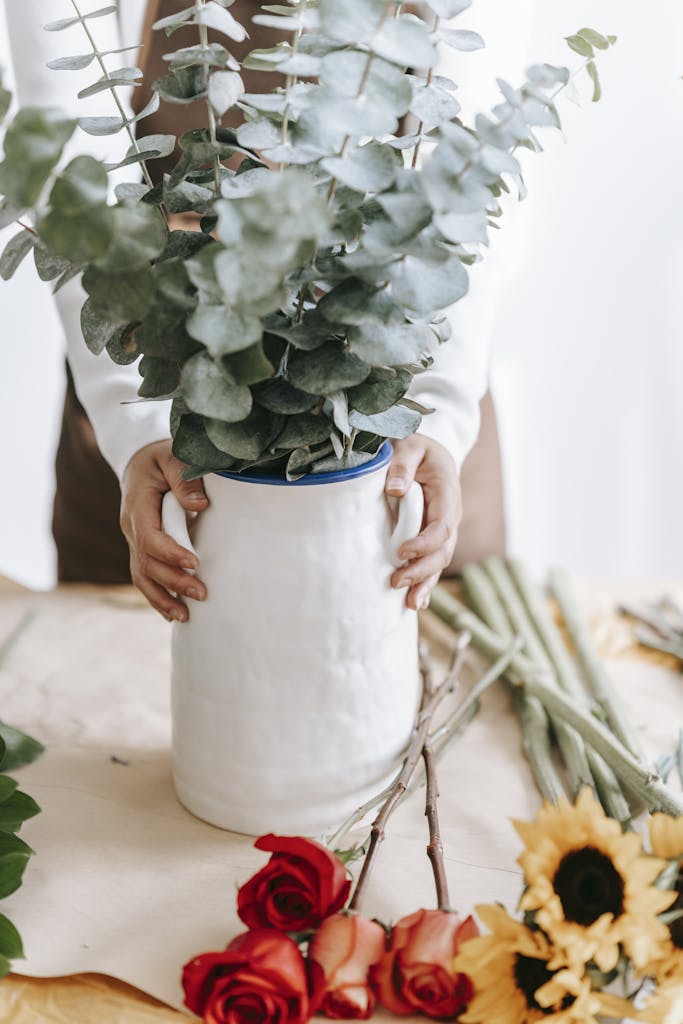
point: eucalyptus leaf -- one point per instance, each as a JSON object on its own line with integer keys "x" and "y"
{"x": 223, "y": 330}
{"x": 377, "y": 394}
{"x": 160, "y": 377}
{"x": 62, "y": 23}
{"x": 380, "y": 345}
{"x": 333, "y": 464}
{"x": 302, "y": 430}
{"x": 18, "y": 247}
{"x": 397, "y": 423}
{"x": 208, "y": 390}
{"x": 279, "y": 396}
{"x": 120, "y": 297}
{"x": 405, "y": 41}
{"x": 246, "y": 439}
{"x": 98, "y": 330}
{"x": 192, "y": 446}
{"x": 101, "y": 126}
{"x": 112, "y": 80}
{"x": 225, "y": 88}
{"x": 329, "y": 368}
{"x": 368, "y": 168}
{"x": 423, "y": 287}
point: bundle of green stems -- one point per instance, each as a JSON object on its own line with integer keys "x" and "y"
{"x": 576, "y": 730}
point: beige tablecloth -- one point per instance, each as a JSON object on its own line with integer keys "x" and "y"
{"x": 125, "y": 883}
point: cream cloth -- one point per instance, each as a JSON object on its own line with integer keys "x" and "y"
{"x": 126, "y": 883}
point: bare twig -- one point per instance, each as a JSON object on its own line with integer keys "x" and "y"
{"x": 435, "y": 848}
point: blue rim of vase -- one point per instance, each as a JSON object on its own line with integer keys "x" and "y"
{"x": 381, "y": 459}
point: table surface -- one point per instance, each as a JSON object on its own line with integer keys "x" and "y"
{"x": 126, "y": 885}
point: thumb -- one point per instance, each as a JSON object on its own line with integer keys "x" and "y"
{"x": 402, "y": 468}
{"x": 190, "y": 493}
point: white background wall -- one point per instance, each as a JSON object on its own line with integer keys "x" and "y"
{"x": 588, "y": 355}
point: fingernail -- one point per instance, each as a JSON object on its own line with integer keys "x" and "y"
{"x": 189, "y": 563}
{"x": 195, "y": 594}
{"x": 423, "y": 600}
{"x": 197, "y": 496}
{"x": 406, "y": 554}
{"x": 396, "y": 483}
{"x": 178, "y": 616}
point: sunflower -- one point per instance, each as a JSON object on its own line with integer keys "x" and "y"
{"x": 512, "y": 979}
{"x": 666, "y": 840}
{"x": 590, "y": 885}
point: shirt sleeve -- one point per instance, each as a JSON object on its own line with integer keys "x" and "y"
{"x": 102, "y": 385}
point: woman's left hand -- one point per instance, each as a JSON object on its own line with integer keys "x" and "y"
{"x": 427, "y": 555}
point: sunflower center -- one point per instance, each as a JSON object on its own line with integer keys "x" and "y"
{"x": 530, "y": 975}
{"x": 588, "y": 885}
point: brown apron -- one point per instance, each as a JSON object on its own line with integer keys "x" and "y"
{"x": 90, "y": 545}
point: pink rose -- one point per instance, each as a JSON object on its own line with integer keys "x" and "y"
{"x": 344, "y": 948}
{"x": 416, "y": 974}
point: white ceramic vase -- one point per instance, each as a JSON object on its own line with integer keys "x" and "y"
{"x": 295, "y": 683}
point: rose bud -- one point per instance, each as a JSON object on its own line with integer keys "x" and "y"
{"x": 260, "y": 976}
{"x": 416, "y": 974}
{"x": 345, "y": 947}
{"x": 301, "y": 885}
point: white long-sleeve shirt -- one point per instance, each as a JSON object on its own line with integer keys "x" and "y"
{"x": 454, "y": 384}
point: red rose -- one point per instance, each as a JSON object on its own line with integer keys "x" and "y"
{"x": 344, "y": 947}
{"x": 416, "y": 974}
{"x": 261, "y": 976}
{"x": 301, "y": 885}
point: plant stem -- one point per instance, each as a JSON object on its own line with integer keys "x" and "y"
{"x": 420, "y": 128}
{"x": 27, "y": 227}
{"x": 290, "y": 81}
{"x": 115, "y": 95}
{"x": 645, "y": 783}
{"x": 532, "y": 718}
{"x": 604, "y": 779}
{"x": 204, "y": 41}
{"x": 428, "y": 706}
{"x": 602, "y": 688}
{"x": 435, "y": 848}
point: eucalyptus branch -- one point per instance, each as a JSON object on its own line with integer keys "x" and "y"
{"x": 420, "y": 128}
{"x": 290, "y": 82}
{"x": 204, "y": 41}
{"x": 424, "y": 719}
{"x": 115, "y": 95}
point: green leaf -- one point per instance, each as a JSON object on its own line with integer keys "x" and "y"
{"x": 279, "y": 396}
{"x": 404, "y": 41}
{"x": 17, "y": 809}
{"x": 14, "y": 856}
{"x": 208, "y": 390}
{"x": 329, "y": 368}
{"x": 247, "y": 439}
{"x": 34, "y": 142}
{"x": 160, "y": 377}
{"x": 123, "y": 77}
{"x": 462, "y": 39}
{"x": 432, "y": 105}
{"x": 191, "y": 445}
{"x": 19, "y": 748}
{"x": 368, "y": 168}
{"x": 595, "y": 78}
{"x": 122, "y": 348}
{"x": 580, "y": 45}
{"x": 225, "y": 88}
{"x": 174, "y": 21}
{"x": 48, "y": 265}
{"x": 250, "y": 366}
{"x": 82, "y": 183}
{"x": 7, "y": 787}
{"x": 594, "y": 38}
{"x": 100, "y": 126}
{"x": 425, "y": 287}
{"x": 121, "y": 297}
{"x": 98, "y": 330}
{"x": 138, "y": 237}
{"x": 352, "y": 21}
{"x": 223, "y": 330}
{"x": 62, "y": 23}
{"x": 220, "y": 20}
{"x": 5, "y": 966}
{"x": 11, "y": 946}
{"x": 305, "y": 429}
{"x": 355, "y": 302}
{"x": 379, "y": 392}
{"x": 183, "y": 86}
{"x": 398, "y": 422}
{"x": 18, "y": 247}
{"x": 5, "y": 101}
{"x": 380, "y": 345}
{"x": 349, "y": 461}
